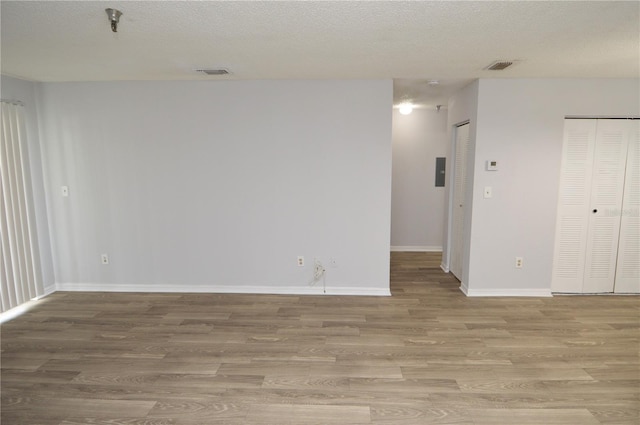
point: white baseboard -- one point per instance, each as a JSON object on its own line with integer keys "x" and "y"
{"x": 444, "y": 268}
{"x": 48, "y": 290}
{"x": 420, "y": 248}
{"x": 464, "y": 288}
{"x": 505, "y": 292}
{"x": 370, "y": 292}
{"x": 225, "y": 289}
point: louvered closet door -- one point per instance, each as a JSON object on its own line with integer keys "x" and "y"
{"x": 459, "y": 190}
{"x": 573, "y": 205}
{"x": 610, "y": 158}
{"x": 628, "y": 267}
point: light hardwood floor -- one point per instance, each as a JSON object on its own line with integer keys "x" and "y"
{"x": 426, "y": 355}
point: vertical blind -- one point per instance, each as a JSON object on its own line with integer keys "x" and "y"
{"x": 19, "y": 262}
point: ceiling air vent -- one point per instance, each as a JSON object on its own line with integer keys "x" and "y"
{"x": 220, "y": 71}
{"x": 499, "y": 65}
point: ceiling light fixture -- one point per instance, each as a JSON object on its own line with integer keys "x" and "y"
{"x": 405, "y": 108}
{"x": 433, "y": 82}
{"x": 114, "y": 18}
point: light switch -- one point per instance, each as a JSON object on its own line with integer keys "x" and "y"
{"x": 488, "y": 192}
{"x": 65, "y": 191}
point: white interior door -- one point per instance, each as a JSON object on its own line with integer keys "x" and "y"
{"x": 459, "y": 190}
{"x": 628, "y": 266}
{"x": 610, "y": 158}
{"x": 573, "y": 205}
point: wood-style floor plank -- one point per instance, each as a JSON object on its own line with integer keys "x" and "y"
{"x": 426, "y": 355}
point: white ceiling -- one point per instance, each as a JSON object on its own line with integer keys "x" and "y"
{"x": 409, "y": 42}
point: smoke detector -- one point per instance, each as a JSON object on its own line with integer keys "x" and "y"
{"x": 500, "y": 65}
{"x": 219, "y": 71}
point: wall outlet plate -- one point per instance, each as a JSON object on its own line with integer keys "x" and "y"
{"x": 492, "y": 165}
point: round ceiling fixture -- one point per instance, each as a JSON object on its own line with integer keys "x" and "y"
{"x": 405, "y": 108}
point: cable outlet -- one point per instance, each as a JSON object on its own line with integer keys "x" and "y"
{"x": 518, "y": 262}
{"x": 105, "y": 259}
{"x": 300, "y": 261}
{"x": 318, "y": 274}
{"x": 318, "y": 270}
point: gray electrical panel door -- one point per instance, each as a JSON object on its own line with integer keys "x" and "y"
{"x": 440, "y": 171}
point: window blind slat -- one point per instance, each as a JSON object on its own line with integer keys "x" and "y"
{"x": 21, "y": 278}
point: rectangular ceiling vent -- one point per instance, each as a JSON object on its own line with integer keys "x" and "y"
{"x": 499, "y": 65}
{"x": 220, "y": 71}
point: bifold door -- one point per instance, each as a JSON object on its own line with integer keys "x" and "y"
{"x": 597, "y": 226}
{"x": 459, "y": 191}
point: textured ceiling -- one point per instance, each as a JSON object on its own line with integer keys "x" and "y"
{"x": 409, "y": 42}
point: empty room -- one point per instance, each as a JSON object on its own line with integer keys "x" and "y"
{"x": 320, "y": 212}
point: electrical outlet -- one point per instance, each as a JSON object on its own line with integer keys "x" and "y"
{"x": 518, "y": 262}
{"x": 300, "y": 261}
{"x": 333, "y": 263}
{"x": 105, "y": 259}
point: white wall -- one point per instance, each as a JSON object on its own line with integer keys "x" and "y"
{"x": 25, "y": 91}
{"x": 417, "y": 206}
{"x": 219, "y": 186}
{"x": 520, "y": 124}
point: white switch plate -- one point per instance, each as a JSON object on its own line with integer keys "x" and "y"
{"x": 104, "y": 258}
{"x": 65, "y": 191}
{"x": 488, "y": 192}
